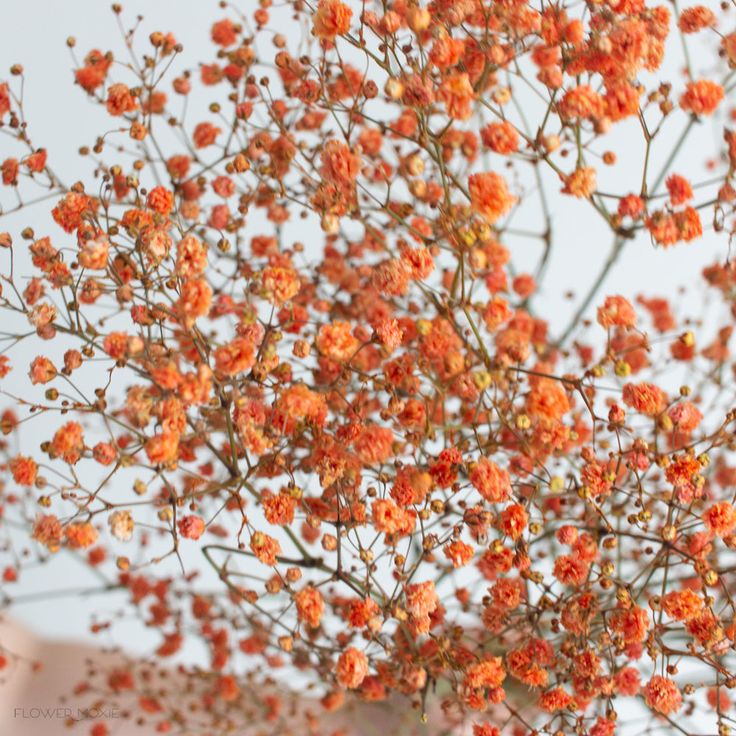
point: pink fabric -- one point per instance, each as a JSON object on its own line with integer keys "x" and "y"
{"x": 38, "y": 701}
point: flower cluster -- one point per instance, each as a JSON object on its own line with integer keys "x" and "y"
{"x": 287, "y": 343}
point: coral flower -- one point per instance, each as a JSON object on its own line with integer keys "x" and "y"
{"x": 489, "y": 196}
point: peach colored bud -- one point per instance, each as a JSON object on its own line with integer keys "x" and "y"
{"x": 551, "y": 143}
{"x": 418, "y": 19}
{"x": 330, "y": 224}
{"x": 394, "y": 89}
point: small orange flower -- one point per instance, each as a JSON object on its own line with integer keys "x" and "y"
{"x": 581, "y": 183}
{"x": 352, "y": 668}
{"x": 280, "y": 284}
{"x": 161, "y": 200}
{"x": 48, "y": 531}
{"x": 42, "y": 370}
{"x": 682, "y": 605}
{"x": 68, "y": 443}
{"x": 205, "y": 134}
{"x": 340, "y": 165}
{"x": 500, "y": 137}
{"x": 236, "y": 357}
{"x": 616, "y": 311}
{"x": 69, "y": 211}
{"x": 162, "y": 448}
{"x": 489, "y": 196}
{"x": 279, "y": 509}
{"x": 120, "y": 100}
{"x": 24, "y": 470}
{"x": 701, "y": 97}
{"x": 421, "y": 601}
{"x": 513, "y": 520}
{"x": 336, "y": 341}
{"x": 331, "y": 19}
{"x": 310, "y": 606}
{"x": 80, "y": 536}
{"x": 645, "y": 398}
{"x": 662, "y": 695}
{"x": 194, "y": 301}
{"x": 696, "y": 18}
{"x": 488, "y": 673}
{"x": 458, "y": 94}
{"x": 224, "y": 33}
{"x": 459, "y": 553}
{"x": 490, "y": 480}
{"x": 720, "y": 518}
{"x": 679, "y": 189}
{"x": 265, "y": 548}
{"x": 191, "y": 527}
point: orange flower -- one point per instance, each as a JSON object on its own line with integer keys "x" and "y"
{"x": 194, "y": 301}
{"x": 236, "y": 357}
{"x": 548, "y": 400}
{"x": 513, "y": 520}
{"x": 491, "y": 481}
{"x": 24, "y": 470}
{"x": 662, "y": 695}
{"x": 489, "y": 196}
{"x": 459, "y": 553}
{"x": 363, "y": 613}
{"x": 555, "y": 700}
{"x": 581, "y": 183}
{"x": 571, "y": 570}
{"x": 191, "y": 527}
{"x": 162, "y": 448}
{"x": 685, "y": 416}
{"x": 224, "y": 33}
{"x": 205, "y": 135}
{"x": 120, "y": 100}
{"x": 621, "y": 101}
{"x": 632, "y": 624}
{"x": 488, "y": 673}
{"x": 389, "y": 334}
{"x": 48, "y": 531}
{"x": 392, "y": 519}
{"x": 352, "y": 668}
{"x": 701, "y": 97}
{"x": 616, "y": 311}
{"x": 310, "y": 606}
{"x": 161, "y": 200}
{"x": 696, "y": 18}
{"x": 280, "y": 284}
{"x": 458, "y": 94}
{"x": 682, "y": 605}
{"x": 331, "y": 19}
{"x": 720, "y": 518}
{"x": 68, "y": 443}
{"x": 279, "y": 509}
{"x": 688, "y": 224}
{"x": 421, "y": 601}
{"x": 339, "y": 164}
{"x": 336, "y": 341}
{"x": 80, "y": 536}
{"x": 646, "y": 398}
{"x": 93, "y": 254}
{"x": 191, "y": 257}
{"x": 42, "y": 370}
{"x": 69, "y": 211}
{"x": 265, "y": 548}
{"x": 581, "y": 102}
{"x": 679, "y": 189}
{"x": 227, "y": 688}
{"x": 500, "y": 137}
